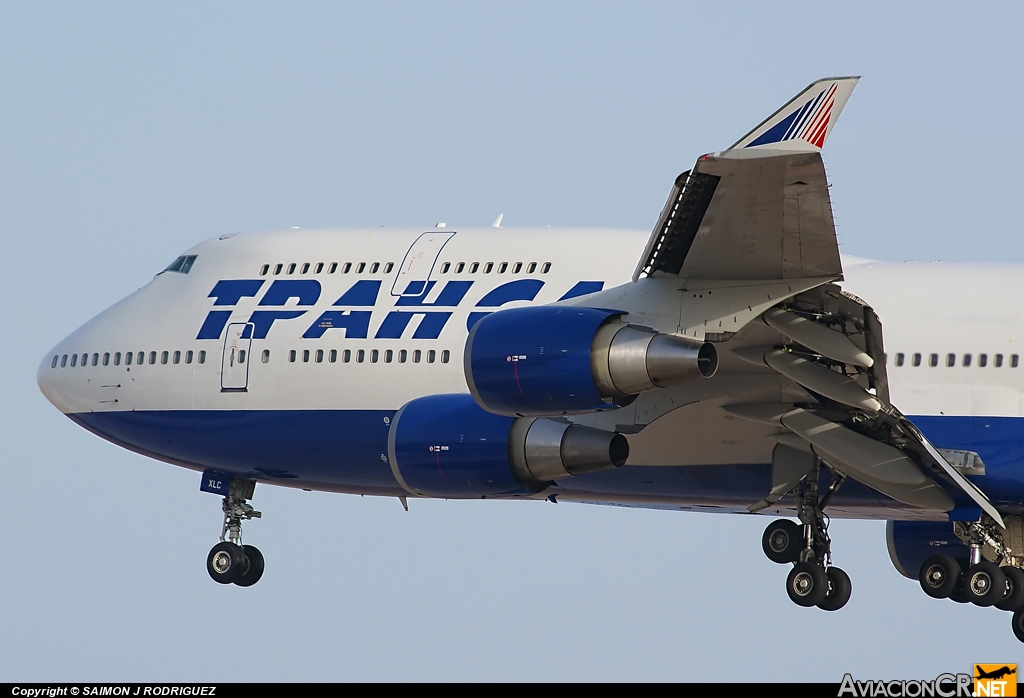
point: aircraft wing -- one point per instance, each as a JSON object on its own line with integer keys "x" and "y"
{"x": 759, "y": 210}
{"x": 755, "y": 221}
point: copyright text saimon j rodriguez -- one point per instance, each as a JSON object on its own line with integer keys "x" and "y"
{"x": 54, "y": 691}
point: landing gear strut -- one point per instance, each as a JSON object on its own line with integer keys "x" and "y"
{"x": 998, "y": 581}
{"x": 230, "y": 562}
{"x": 813, "y": 581}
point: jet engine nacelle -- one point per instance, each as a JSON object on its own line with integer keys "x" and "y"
{"x": 448, "y": 446}
{"x": 910, "y": 543}
{"x": 553, "y": 360}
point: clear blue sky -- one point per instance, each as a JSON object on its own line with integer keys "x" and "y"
{"x": 131, "y": 131}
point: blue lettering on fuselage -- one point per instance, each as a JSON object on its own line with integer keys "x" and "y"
{"x": 351, "y": 313}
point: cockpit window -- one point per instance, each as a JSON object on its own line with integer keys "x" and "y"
{"x": 182, "y": 265}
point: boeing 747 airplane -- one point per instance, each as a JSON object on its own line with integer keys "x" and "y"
{"x": 728, "y": 361}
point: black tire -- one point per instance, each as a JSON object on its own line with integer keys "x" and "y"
{"x": 1018, "y": 624}
{"x": 1013, "y": 599}
{"x": 782, "y": 541}
{"x": 807, "y": 584}
{"x": 939, "y": 576}
{"x": 256, "y": 565}
{"x": 226, "y": 562}
{"x": 839, "y": 589}
{"x": 984, "y": 584}
{"x": 958, "y": 595}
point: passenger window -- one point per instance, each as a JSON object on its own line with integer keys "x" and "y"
{"x": 388, "y": 355}
{"x": 445, "y": 267}
{"x": 430, "y": 356}
{"x": 140, "y": 357}
{"x": 416, "y": 354}
{"x": 546, "y": 268}
{"x": 402, "y": 356}
{"x": 459, "y": 267}
{"x": 291, "y": 268}
{"x": 967, "y": 359}
{"x": 188, "y": 356}
{"x": 319, "y": 356}
{"x": 1014, "y": 359}
{"x": 917, "y": 360}
{"x": 152, "y": 358}
{"x": 202, "y": 356}
{"x": 360, "y": 356}
{"x": 128, "y": 358}
{"x": 899, "y": 359}
{"x": 117, "y": 358}
{"x": 265, "y": 357}
{"x": 177, "y": 357}
{"x": 333, "y": 268}
{"x": 106, "y": 358}
{"x": 346, "y": 356}
{"x": 374, "y": 355}
{"x": 374, "y": 267}
{"x": 982, "y": 360}
{"x": 445, "y": 355}
{"x": 164, "y": 356}
{"x": 241, "y": 356}
{"x": 532, "y": 268}
{"x": 305, "y": 356}
{"x": 933, "y": 360}
{"x": 53, "y": 364}
{"x": 950, "y": 359}
{"x": 502, "y": 267}
{"x": 333, "y": 356}
{"x": 291, "y": 356}
{"x": 388, "y": 267}
{"x": 63, "y": 360}
{"x": 95, "y": 359}
{"x": 359, "y": 269}
{"x": 516, "y": 267}
{"x": 473, "y": 267}
{"x": 264, "y": 269}
{"x": 305, "y": 268}
{"x": 277, "y": 269}
{"x": 319, "y": 268}
{"x": 347, "y": 268}
{"x": 998, "y": 360}
{"x": 488, "y": 267}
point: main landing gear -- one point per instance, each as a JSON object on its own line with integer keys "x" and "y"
{"x": 998, "y": 583}
{"x": 230, "y": 562}
{"x": 813, "y": 581}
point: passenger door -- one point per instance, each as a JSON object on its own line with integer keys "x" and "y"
{"x": 234, "y": 363}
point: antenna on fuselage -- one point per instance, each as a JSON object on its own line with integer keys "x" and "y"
{"x": 497, "y": 221}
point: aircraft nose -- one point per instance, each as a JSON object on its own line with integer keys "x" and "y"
{"x": 48, "y": 378}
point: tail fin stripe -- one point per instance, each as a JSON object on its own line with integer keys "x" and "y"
{"x": 815, "y": 121}
{"x": 808, "y": 115}
{"x": 799, "y": 120}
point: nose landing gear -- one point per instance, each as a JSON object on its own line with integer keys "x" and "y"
{"x": 230, "y": 562}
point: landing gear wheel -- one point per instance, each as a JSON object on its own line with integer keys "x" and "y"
{"x": 939, "y": 576}
{"x": 984, "y": 584}
{"x": 255, "y": 570}
{"x": 226, "y": 563}
{"x": 839, "y": 589}
{"x": 1018, "y": 624}
{"x": 782, "y": 541}
{"x": 807, "y": 584}
{"x": 1013, "y": 599}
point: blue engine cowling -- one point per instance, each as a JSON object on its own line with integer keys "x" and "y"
{"x": 910, "y": 543}
{"x": 448, "y": 446}
{"x": 536, "y": 360}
